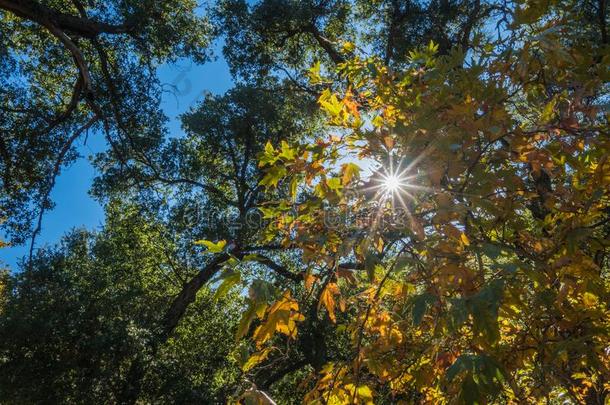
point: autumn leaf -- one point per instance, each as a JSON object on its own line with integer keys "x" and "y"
{"x": 256, "y": 358}
{"x": 348, "y": 47}
{"x": 589, "y": 299}
{"x": 330, "y": 103}
{"x": 465, "y": 239}
{"x": 310, "y": 279}
{"x": 365, "y": 394}
{"x": 327, "y": 299}
{"x": 281, "y": 317}
{"x": 350, "y": 171}
{"x": 254, "y": 310}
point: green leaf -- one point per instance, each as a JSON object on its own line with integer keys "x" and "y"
{"x": 255, "y": 309}
{"x": 370, "y": 264}
{"x": 548, "y": 113}
{"x": 288, "y": 153}
{"x": 262, "y": 291}
{"x": 230, "y": 278}
{"x": 460, "y": 364}
{"x": 470, "y": 392}
{"x": 483, "y": 377}
{"x": 212, "y": 247}
{"x": 294, "y": 183}
{"x": 269, "y": 213}
{"x": 273, "y": 176}
{"x": 484, "y": 309}
{"x": 420, "y": 305}
{"x": 492, "y": 251}
{"x": 268, "y": 157}
{"x": 458, "y": 313}
{"x": 334, "y": 183}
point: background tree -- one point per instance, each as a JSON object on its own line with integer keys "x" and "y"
{"x": 73, "y": 326}
{"x": 71, "y": 68}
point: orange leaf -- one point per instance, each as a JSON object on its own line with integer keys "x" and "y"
{"x": 310, "y": 279}
{"x": 327, "y": 298}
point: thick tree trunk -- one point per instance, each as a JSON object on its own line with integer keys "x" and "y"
{"x": 188, "y": 295}
{"x": 130, "y": 392}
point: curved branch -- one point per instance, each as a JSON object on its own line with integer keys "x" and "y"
{"x": 188, "y": 294}
{"x": 327, "y": 45}
{"x": 7, "y": 183}
{"x": 76, "y": 94}
{"x": 86, "y": 27}
{"x": 54, "y": 174}
{"x": 279, "y": 269}
{"x": 279, "y": 374}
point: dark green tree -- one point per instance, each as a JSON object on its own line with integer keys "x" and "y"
{"x": 72, "y": 69}
{"x": 73, "y": 325}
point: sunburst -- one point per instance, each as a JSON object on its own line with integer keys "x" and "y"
{"x": 394, "y": 181}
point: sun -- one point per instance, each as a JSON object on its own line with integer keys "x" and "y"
{"x": 391, "y": 183}
{"x": 394, "y": 183}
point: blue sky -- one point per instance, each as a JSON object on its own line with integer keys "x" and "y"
{"x": 74, "y": 207}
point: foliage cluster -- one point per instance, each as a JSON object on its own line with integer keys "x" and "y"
{"x": 480, "y": 276}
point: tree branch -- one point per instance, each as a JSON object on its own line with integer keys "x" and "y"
{"x": 189, "y": 293}
{"x": 54, "y": 174}
{"x": 86, "y": 27}
{"x": 279, "y": 269}
{"x": 326, "y": 44}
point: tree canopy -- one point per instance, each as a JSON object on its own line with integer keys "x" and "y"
{"x": 398, "y": 202}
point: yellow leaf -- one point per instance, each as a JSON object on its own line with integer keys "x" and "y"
{"x": 589, "y": 299}
{"x": 348, "y": 47}
{"x": 254, "y": 310}
{"x": 212, "y": 247}
{"x": 342, "y": 305}
{"x": 256, "y": 358}
{"x": 365, "y": 393}
{"x": 327, "y": 298}
{"x": 465, "y": 239}
{"x": 314, "y": 72}
{"x": 281, "y": 317}
{"x": 379, "y": 245}
{"x": 378, "y": 121}
{"x": 330, "y": 103}
{"x": 288, "y": 153}
{"x": 269, "y": 148}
